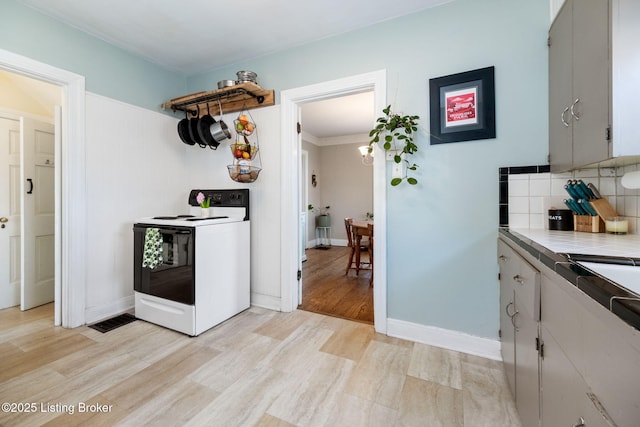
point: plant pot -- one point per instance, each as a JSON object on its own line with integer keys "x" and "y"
{"x": 204, "y": 212}
{"x": 323, "y": 221}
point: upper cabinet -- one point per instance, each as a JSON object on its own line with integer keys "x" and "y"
{"x": 594, "y": 82}
{"x": 625, "y": 77}
{"x": 579, "y": 79}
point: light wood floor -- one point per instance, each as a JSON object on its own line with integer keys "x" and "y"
{"x": 327, "y": 290}
{"x": 260, "y": 368}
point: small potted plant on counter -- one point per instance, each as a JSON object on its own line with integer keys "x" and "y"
{"x": 205, "y": 203}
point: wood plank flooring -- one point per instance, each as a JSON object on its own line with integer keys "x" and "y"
{"x": 260, "y": 368}
{"x": 327, "y": 290}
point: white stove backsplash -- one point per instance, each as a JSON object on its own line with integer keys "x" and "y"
{"x": 531, "y": 195}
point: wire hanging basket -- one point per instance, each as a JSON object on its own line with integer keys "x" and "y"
{"x": 247, "y": 163}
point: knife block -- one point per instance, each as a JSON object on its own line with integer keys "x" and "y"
{"x": 588, "y": 223}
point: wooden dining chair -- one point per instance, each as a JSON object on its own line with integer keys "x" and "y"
{"x": 364, "y": 247}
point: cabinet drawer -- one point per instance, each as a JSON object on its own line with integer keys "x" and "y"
{"x": 523, "y": 278}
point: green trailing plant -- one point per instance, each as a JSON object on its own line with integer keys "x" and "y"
{"x": 394, "y": 130}
{"x": 323, "y": 211}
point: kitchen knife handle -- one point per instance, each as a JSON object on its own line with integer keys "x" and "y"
{"x": 571, "y": 205}
{"x": 583, "y": 187}
{"x": 594, "y": 190}
{"x": 576, "y": 207}
{"x": 587, "y": 207}
{"x": 581, "y": 192}
{"x": 572, "y": 193}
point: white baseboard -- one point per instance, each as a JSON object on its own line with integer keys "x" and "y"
{"x": 98, "y": 313}
{"x": 266, "y": 301}
{"x": 444, "y": 338}
{"x": 334, "y": 242}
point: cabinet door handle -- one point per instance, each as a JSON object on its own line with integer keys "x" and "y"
{"x": 519, "y": 279}
{"x": 580, "y": 423}
{"x": 506, "y": 309}
{"x": 564, "y": 122}
{"x": 513, "y": 320}
{"x": 573, "y": 112}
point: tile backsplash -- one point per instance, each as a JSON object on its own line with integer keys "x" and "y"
{"x": 527, "y": 193}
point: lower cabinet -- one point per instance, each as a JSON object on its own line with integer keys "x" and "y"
{"x": 569, "y": 361}
{"x": 519, "y": 315}
{"x": 566, "y": 399}
{"x": 527, "y": 366}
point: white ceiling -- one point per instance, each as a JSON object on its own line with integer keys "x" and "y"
{"x": 197, "y": 36}
{"x": 347, "y": 115}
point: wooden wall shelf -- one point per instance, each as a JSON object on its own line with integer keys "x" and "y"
{"x": 243, "y": 96}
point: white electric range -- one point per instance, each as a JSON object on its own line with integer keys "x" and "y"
{"x": 192, "y": 272}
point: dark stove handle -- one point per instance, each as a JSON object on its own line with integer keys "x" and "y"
{"x": 162, "y": 230}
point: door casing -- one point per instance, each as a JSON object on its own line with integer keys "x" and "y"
{"x": 290, "y": 101}
{"x": 70, "y": 194}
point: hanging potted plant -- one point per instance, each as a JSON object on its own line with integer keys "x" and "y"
{"x": 396, "y": 133}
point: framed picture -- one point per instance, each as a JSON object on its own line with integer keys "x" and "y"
{"x": 463, "y": 106}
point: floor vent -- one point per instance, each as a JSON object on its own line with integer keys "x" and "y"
{"x": 113, "y": 323}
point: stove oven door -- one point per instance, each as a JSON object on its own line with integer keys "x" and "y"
{"x": 173, "y": 277}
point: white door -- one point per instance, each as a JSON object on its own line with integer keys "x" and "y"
{"x": 38, "y": 213}
{"x": 9, "y": 212}
{"x": 300, "y": 245}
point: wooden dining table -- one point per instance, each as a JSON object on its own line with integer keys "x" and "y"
{"x": 361, "y": 229}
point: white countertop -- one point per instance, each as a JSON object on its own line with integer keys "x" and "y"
{"x": 574, "y": 242}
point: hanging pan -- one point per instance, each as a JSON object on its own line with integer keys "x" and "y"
{"x": 219, "y": 130}
{"x": 204, "y": 126}
{"x": 183, "y": 130}
{"x": 193, "y": 129}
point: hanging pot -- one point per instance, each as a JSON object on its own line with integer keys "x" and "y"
{"x": 219, "y": 130}
{"x": 204, "y": 126}
{"x": 183, "y": 130}
{"x": 193, "y": 129}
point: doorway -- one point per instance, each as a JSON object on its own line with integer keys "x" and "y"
{"x": 27, "y": 162}
{"x": 70, "y": 196}
{"x": 291, "y": 263}
{"x": 332, "y": 131}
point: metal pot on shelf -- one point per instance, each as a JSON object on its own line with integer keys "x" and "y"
{"x": 246, "y": 77}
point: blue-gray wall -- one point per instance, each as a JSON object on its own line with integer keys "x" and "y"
{"x": 442, "y": 268}
{"x": 108, "y": 70}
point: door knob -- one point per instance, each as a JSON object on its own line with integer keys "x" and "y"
{"x": 4, "y": 219}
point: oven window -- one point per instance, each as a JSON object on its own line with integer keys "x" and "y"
{"x": 172, "y": 278}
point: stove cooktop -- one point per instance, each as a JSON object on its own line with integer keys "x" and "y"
{"x": 188, "y": 220}
{"x": 188, "y": 217}
{"x": 226, "y": 206}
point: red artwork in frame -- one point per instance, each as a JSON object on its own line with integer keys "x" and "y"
{"x": 462, "y": 106}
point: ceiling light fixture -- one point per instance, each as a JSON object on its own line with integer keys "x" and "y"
{"x": 366, "y": 151}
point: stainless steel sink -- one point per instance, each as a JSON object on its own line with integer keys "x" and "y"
{"x": 627, "y": 276}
